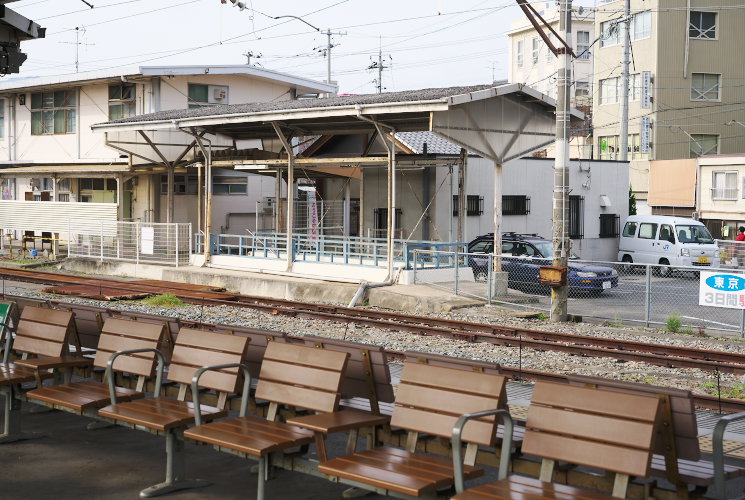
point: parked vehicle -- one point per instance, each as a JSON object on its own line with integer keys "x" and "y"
{"x": 522, "y": 257}
{"x": 670, "y": 241}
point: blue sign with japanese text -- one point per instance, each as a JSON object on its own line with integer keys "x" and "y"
{"x": 718, "y": 289}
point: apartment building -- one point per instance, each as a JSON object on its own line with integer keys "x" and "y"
{"x": 55, "y": 169}
{"x": 686, "y": 86}
{"x": 531, "y": 62}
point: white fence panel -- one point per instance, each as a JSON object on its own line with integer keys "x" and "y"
{"x": 56, "y": 216}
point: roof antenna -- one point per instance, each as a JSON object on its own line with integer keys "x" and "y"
{"x": 87, "y": 3}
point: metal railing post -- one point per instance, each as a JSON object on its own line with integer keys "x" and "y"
{"x": 69, "y": 239}
{"x": 176, "y": 243}
{"x": 457, "y": 270}
{"x": 190, "y": 242}
{"x": 101, "y": 241}
{"x": 137, "y": 242}
{"x": 648, "y": 296}
{"x": 489, "y": 278}
{"x": 416, "y": 257}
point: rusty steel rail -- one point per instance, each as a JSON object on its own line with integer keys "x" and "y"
{"x": 581, "y": 345}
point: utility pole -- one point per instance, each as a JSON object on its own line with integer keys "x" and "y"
{"x": 380, "y": 67}
{"x": 560, "y": 236}
{"x": 623, "y": 140}
{"x": 329, "y": 46}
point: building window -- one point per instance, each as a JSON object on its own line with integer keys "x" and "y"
{"x": 581, "y": 89}
{"x": 229, "y": 185}
{"x": 635, "y": 87}
{"x": 703, "y": 25}
{"x": 520, "y": 52}
{"x": 724, "y": 186}
{"x": 608, "y": 147}
{"x": 8, "y": 187}
{"x": 201, "y": 95}
{"x": 609, "y": 34}
{"x": 583, "y": 45}
{"x": 705, "y": 86}
{"x": 182, "y": 184}
{"x": 549, "y": 54}
{"x": 121, "y": 101}
{"x": 536, "y": 48}
{"x": 641, "y": 26}
{"x": 704, "y": 144}
{"x": 97, "y": 184}
{"x": 381, "y": 220}
{"x": 474, "y": 205}
{"x": 609, "y": 91}
{"x": 53, "y": 112}
{"x": 515, "y": 205}
{"x": 609, "y": 224}
{"x": 63, "y": 197}
{"x": 576, "y": 217}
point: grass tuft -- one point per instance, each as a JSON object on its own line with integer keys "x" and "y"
{"x": 164, "y": 300}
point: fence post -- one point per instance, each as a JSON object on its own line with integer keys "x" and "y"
{"x": 190, "y": 242}
{"x": 137, "y": 242}
{"x": 489, "y": 277}
{"x": 416, "y": 257}
{"x": 176, "y": 245}
{"x": 648, "y": 296}
{"x": 742, "y": 324}
{"x": 101, "y": 241}
{"x": 457, "y": 269}
{"x": 69, "y": 239}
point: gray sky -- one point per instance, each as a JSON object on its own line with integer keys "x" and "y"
{"x": 425, "y": 43}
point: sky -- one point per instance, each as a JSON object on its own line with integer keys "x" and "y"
{"x": 424, "y": 43}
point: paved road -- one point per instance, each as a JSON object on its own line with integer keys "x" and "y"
{"x": 670, "y": 295}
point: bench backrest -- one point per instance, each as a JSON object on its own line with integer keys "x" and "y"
{"x": 302, "y": 377}
{"x": 122, "y": 334}
{"x": 88, "y": 321}
{"x": 428, "y": 358}
{"x": 259, "y": 339}
{"x": 197, "y": 348}
{"x": 430, "y": 399}
{"x": 593, "y": 427}
{"x": 45, "y": 332}
{"x": 368, "y": 374}
{"x": 682, "y": 409}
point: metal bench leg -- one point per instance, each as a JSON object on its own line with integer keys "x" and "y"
{"x": 175, "y": 468}
{"x": 262, "y": 472}
{"x": 12, "y": 429}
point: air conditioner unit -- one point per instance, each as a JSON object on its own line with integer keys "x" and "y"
{"x": 220, "y": 94}
{"x": 695, "y": 215}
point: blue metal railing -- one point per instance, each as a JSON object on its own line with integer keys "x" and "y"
{"x": 351, "y": 250}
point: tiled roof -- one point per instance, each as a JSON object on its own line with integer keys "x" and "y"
{"x": 435, "y": 144}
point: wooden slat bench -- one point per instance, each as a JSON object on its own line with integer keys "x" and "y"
{"x": 85, "y": 397}
{"x": 367, "y": 379}
{"x": 429, "y": 400}
{"x": 43, "y": 340}
{"x": 677, "y": 435}
{"x": 294, "y": 376}
{"x": 170, "y": 416}
{"x": 600, "y": 429}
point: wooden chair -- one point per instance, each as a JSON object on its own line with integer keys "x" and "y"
{"x": 677, "y": 451}
{"x": 591, "y": 427}
{"x": 42, "y": 339}
{"x": 429, "y": 400}
{"x": 291, "y": 375}
{"x": 85, "y": 397}
{"x": 170, "y": 416}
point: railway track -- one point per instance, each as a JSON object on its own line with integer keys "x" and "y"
{"x": 579, "y": 345}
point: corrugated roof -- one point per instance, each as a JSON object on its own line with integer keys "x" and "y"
{"x": 435, "y": 144}
{"x": 347, "y": 100}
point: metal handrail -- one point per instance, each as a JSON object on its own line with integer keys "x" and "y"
{"x": 195, "y": 388}
{"x": 159, "y": 372}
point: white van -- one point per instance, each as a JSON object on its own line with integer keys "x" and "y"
{"x": 660, "y": 239}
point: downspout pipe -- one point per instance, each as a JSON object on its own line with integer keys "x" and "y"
{"x": 365, "y": 286}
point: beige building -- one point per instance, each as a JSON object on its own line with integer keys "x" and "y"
{"x": 721, "y": 193}
{"x": 695, "y": 86}
{"x": 531, "y": 62}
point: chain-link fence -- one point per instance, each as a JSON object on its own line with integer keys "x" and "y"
{"x": 618, "y": 293}
{"x": 138, "y": 242}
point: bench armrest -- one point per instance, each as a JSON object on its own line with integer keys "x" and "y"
{"x": 195, "y": 388}
{"x": 718, "y": 452}
{"x": 110, "y": 371}
{"x": 504, "y": 460}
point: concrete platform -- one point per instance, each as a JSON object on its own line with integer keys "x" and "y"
{"x": 411, "y": 298}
